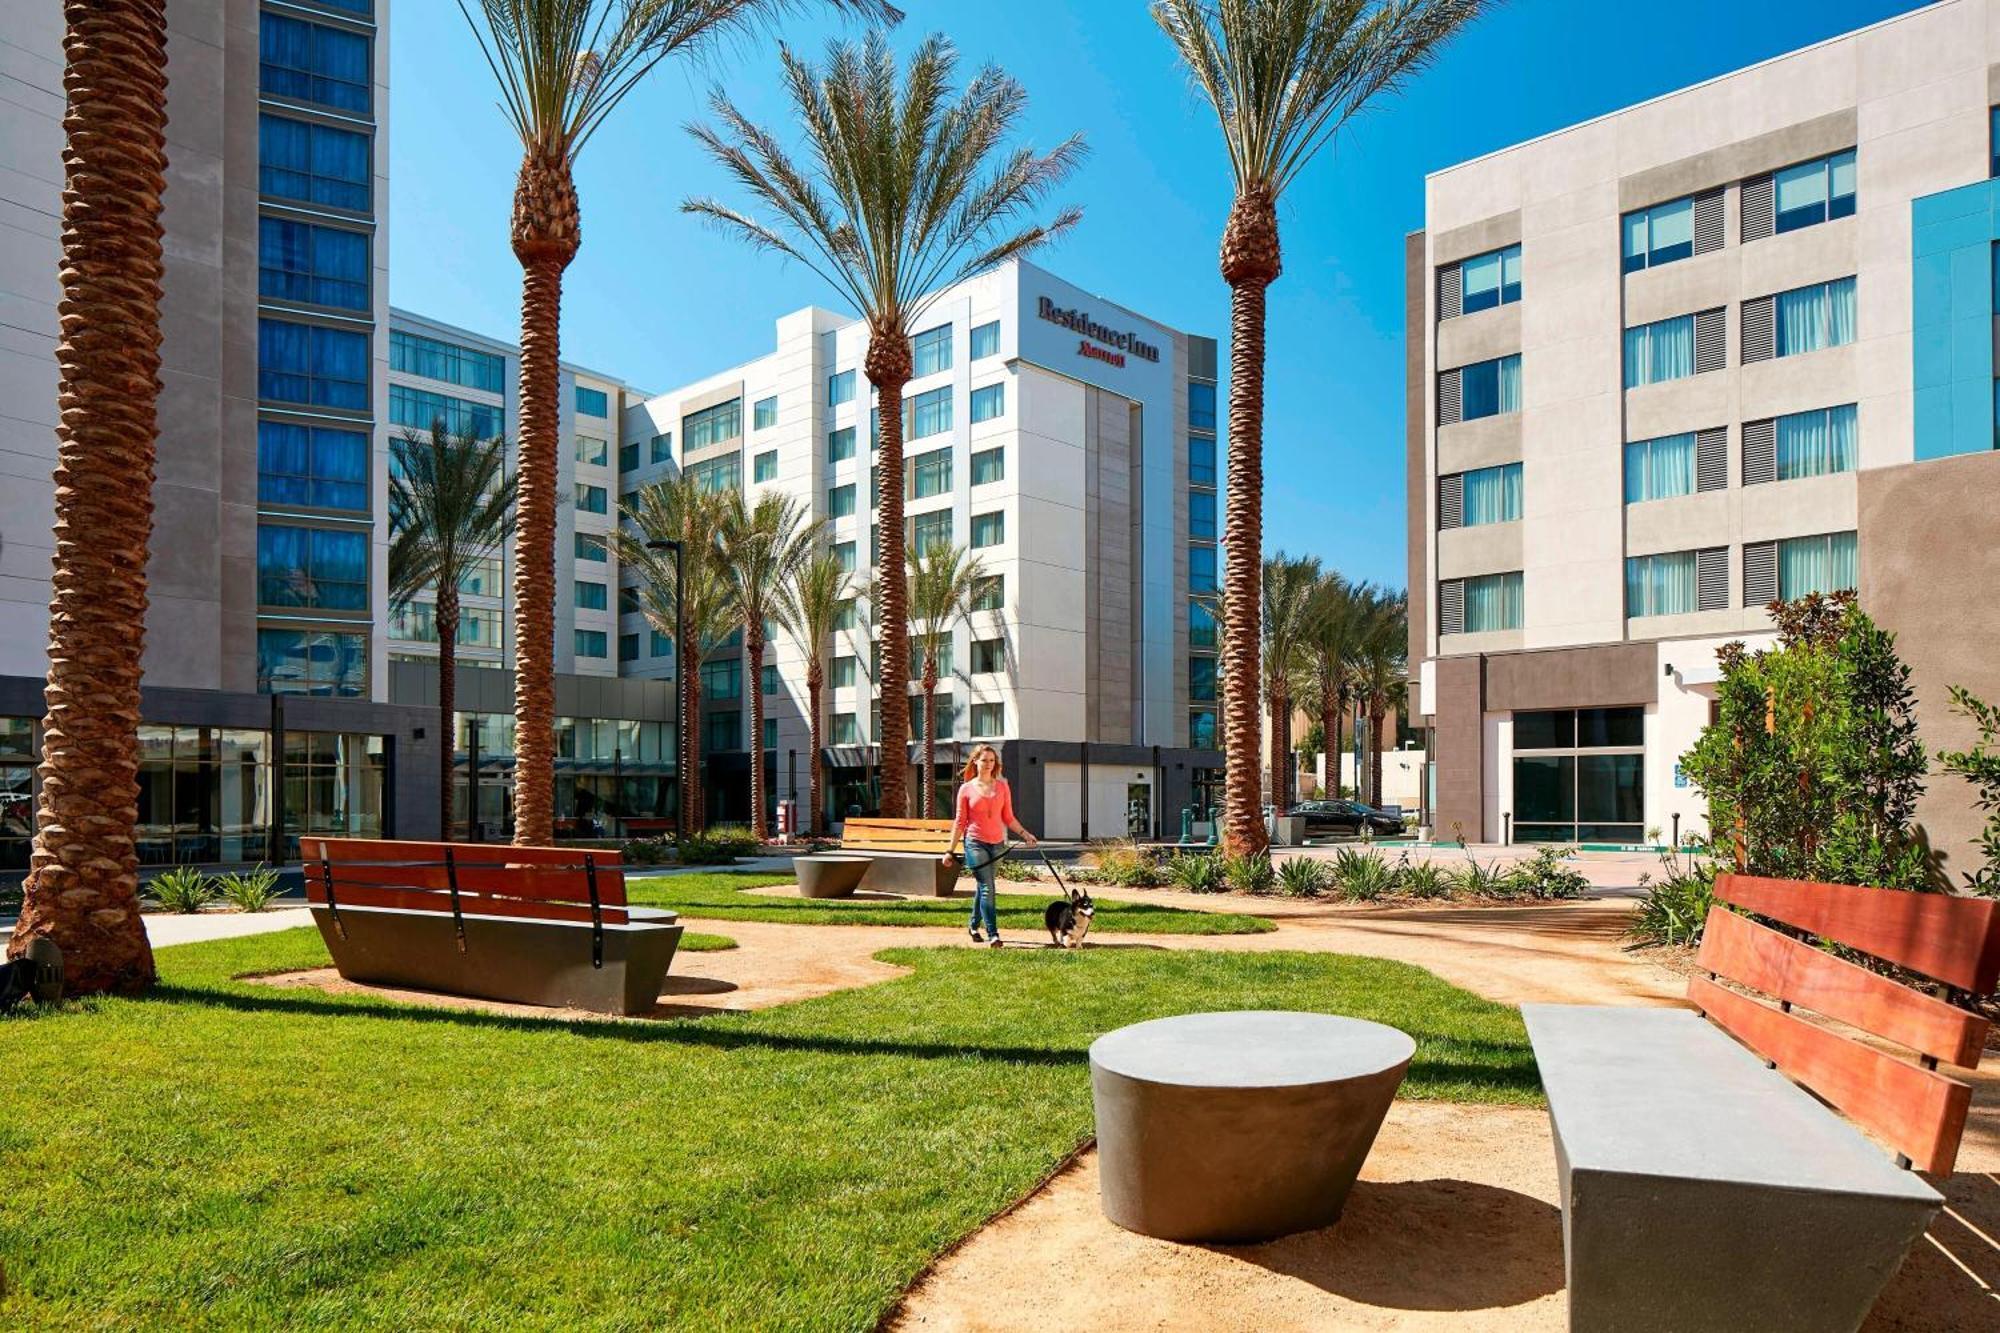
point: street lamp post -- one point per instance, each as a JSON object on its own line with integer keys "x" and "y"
{"x": 680, "y": 720}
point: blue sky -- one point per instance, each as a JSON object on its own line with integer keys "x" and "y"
{"x": 658, "y": 299}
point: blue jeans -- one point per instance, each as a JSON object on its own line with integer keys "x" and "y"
{"x": 983, "y": 858}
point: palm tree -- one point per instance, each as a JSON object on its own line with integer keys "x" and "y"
{"x": 1288, "y": 585}
{"x": 563, "y": 66}
{"x": 902, "y": 197}
{"x": 1283, "y": 77}
{"x": 1333, "y": 634}
{"x": 82, "y": 889}
{"x": 1382, "y": 679}
{"x": 762, "y": 550}
{"x": 679, "y": 509}
{"x": 450, "y": 503}
{"x": 809, "y": 607}
{"x": 943, "y": 583}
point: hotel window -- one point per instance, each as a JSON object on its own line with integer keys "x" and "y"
{"x": 712, "y": 425}
{"x": 1662, "y": 468}
{"x": 1485, "y": 495}
{"x": 1675, "y": 583}
{"x": 941, "y": 705}
{"x": 988, "y": 529}
{"x": 1201, "y": 460}
{"x": 628, "y": 457}
{"x": 723, "y": 730}
{"x": 628, "y": 647}
{"x": 590, "y": 449}
{"x": 592, "y": 499}
{"x": 930, "y": 474}
{"x": 1672, "y": 349}
{"x": 1490, "y": 280}
{"x": 592, "y": 402}
{"x": 318, "y": 568}
{"x": 843, "y": 552}
{"x": 988, "y": 656}
{"x": 312, "y": 465}
{"x": 988, "y": 593}
{"x": 764, "y": 413}
{"x": 1201, "y": 729}
{"x": 929, "y": 413}
{"x": 590, "y": 596}
{"x": 1579, "y": 776}
{"x": 764, "y": 467}
{"x": 312, "y": 63}
{"x": 305, "y": 363}
{"x": 420, "y": 409}
{"x": 661, "y": 448}
{"x": 1483, "y": 389}
{"x": 845, "y": 669}
{"x": 989, "y": 403}
{"x": 591, "y": 548}
{"x": 722, "y": 680}
{"x": 874, "y": 486}
{"x": 1201, "y": 624}
{"x": 1673, "y": 230}
{"x": 840, "y": 388}
{"x": 989, "y": 465}
{"x": 1201, "y": 405}
{"x": 1812, "y": 192}
{"x": 297, "y": 261}
{"x": 716, "y": 475}
{"x": 313, "y": 164}
{"x": 416, "y": 622}
{"x": 1802, "y": 444}
{"x": 986, "y": 340}
{"x": 931, "y": 351}
{"x": 928, "y": 530}
{"x": 770, "y": 681}
{"x": 944, "y": 667}
{"x": 628, "y": 601}
{"x": 1201, "y": 515}
{"x": 312, "y": 661}
{"x": 770, "y": 733}
{"x": 1476, "y": 605}
{"x": 659, "y": 645}
{"x": 840, "y": 501}
{"x": 840, "y": 444}
{"x": 1824, "y": 564}
{"x": 846, "y": 729}
{"x": 414, "y": 354}
{"x": 591, "y": 643}
{"x": 874, "y": 543}
{"x": 1807, "y": 319}
{"x": 989, "y": 719}
{"x": 1201, "y": 679}
{"x": 1201, "y": 569}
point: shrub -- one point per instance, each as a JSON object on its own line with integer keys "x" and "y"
{"x": 1249, "y": 874}
{"x": 705, "y": 849}
{"x": 1474, "y": 880}
{"x": 1362, "y": 876}
{"x": 1547, "y": 875}
{"x": 1016, "y": 870}
{"x": 249, "y": 890}
{"x": 1423, "y": 879}
{"x": 647, "y": 851}
{"x": 1676, "y": 905}
{"x": 1980, "y": 767}
{"x": 1302, "y": 877}
{"x": 1197, "y": 872}
{"x": 183, "y": 889}
{"x": 1125, "y": 864}
{"x": 736, "y": 837}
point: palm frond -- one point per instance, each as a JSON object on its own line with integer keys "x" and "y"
{"x": 451, "y": 501}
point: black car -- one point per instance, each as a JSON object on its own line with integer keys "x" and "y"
{"x": 1334, "y": 818}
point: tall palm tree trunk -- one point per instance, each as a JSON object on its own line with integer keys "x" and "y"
{"x": 1340, "y": 744}
{"x": 930, "y": 734}
{"x": 1329, "y": 745}
{"x": 1376, "y": 716}
{"x": 888, "y": 366}
{"x": 546, "y": 231}
{"x": 691, "y": 793}
{"x": 1250, "y": 263}
{"x": 814, "y": 683}
{"x": 1274, "y": 723}
{"x": 447, "y": 630}
{"x": 753, "y": 636}
{"x": 83, "y": 884}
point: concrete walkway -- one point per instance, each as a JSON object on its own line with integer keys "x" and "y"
{"x": 165, "y": 928}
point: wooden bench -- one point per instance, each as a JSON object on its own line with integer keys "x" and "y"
{"x": 904, "y": 855}
{"x": 533, "y": 925}
{"x": 1705, "y": 1183}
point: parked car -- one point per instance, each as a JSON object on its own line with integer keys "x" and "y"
{"x": 1349, "y": 818}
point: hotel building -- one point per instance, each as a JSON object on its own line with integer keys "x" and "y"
{"x": 1732, "y": 344}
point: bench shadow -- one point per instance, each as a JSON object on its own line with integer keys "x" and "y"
{"x": 1951, "y": 1279}
{"x": 692, "y": 985}
{"x": 1437, "y": 1245}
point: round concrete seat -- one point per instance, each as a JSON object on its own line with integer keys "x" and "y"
{"x": 1239, "y": 1126}
{"x": 829, "y": 875}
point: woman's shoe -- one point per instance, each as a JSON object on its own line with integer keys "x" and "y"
{"x": 977, "y": 938}
{"x": 995, "y": 941}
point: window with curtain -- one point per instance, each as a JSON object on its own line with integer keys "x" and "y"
{"x": 989, "y": 465}
{"x": 986, "y": 340}
{"x": 590, "y": 449}
{"x": 1661, "y": 351}
{"x": 592, "y": 643}
{"x": 764, "y": 413}
{"x": 592, "y": 499}
{"x": 1812, "y": 444}
{"x": 590, "y": 596}
{"x": 988, "y": 529}
{"x": 1815, "y": 191}
{"x": 929, "y": 413}
{"x": 928, "y": 530}
{"x": 591, "y": 548}
{"x": 712, "y": 425}
{"x": 717, "y": 474}
{"x": 840, "y": 444}
{"x": 1810, "y": 318}
{"x": 297, "y": 261}
{"x": 1201, "y": 515}
{"x": 1490, "y": 280}
{"x": 916, "y": 656}
{"x": 989, "y": 402}
{"x": 314, "y": 164}
{"x": 314, "y": 63}
{"x": 318, "y": 568}
{"x": 930, "y": 351}
{"x": 1492, "y": 495}
{"x": 989, "y": 719}
{"x": 840, "y": 501}
{"x": 989, "y": 593}
{"x": 311, "y": 465}
{"x": 592, "y": 402}
{"x": 1659, "y": 235}
{"x": 1493, "y": 601}
{"x": 1201, "y": 460}
{"x": 1661, "y": 585}
{"x": 844, "y": 671}
{"x": 843, "y": 553}
{"x": 419, "y": 409}
{"x": 930, "y": 474}
{"x": 1490, "y": 388}
{"x": 1659, "y": 469}
{"x": 764, "y": 467}
{"x": 307, "y": 363}
{"x": 840, "y": 388}
{"x": 1825, "y": 564}
{"x": 414, "y": 354}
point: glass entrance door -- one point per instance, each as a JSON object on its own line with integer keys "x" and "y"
{"x": 1580, "y": 775}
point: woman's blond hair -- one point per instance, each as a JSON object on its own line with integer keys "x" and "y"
{"x": 972, "y": 764}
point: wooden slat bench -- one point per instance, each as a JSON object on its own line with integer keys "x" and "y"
{"x": 1705, "y": 1182}
{"x": 534, "y": 925}
{"x": 904, "y": 854}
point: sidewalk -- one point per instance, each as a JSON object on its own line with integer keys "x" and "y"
{"x": 164, "y": 928}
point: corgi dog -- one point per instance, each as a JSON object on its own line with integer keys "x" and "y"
{"x": 1068, "y": 918}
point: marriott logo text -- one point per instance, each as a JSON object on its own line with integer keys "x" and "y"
{"x": 1082, "y": 323}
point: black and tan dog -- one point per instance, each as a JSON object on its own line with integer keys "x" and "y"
{"x": 1068, "y": 918}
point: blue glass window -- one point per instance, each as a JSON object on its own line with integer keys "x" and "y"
{"x": 1659, "y": 235}
{"x": 1201, "y": 460}
{"x": 1812, "y": 444}
{"x": 1810, "y": 318}
{"x": 1824, "y": 564}
{"x": 717, "y": 474}
{"x": 662, "y": 448}
{"x": 1492, "y": 601}
{"x": 320, "y": 568}
{"x": 1201, "y": 624}
{"x": 1201, "y": 405}
{"x": 591, "y": 643}
{"x": 840, "y": 388}
{"x": 1815, "y": 191}
{"x": 659, "y": 645}
{"x": 764, "y": 467}
{"x": 712, "y": 425}
{"x": 590, "y": 596}
{"x": 989, "y": 402}
{"x": 592, "y": 499}
{"x": 722, "y": 730}
{"x": 1489, "y": 280}
{"x": 1490, "y": 388}
{"x": 305, "y": 363}
{"x": 928, "y": 530}
{"x": 311, "y": 465}
{"x": 1201, "y": 679}
{"x": 1201, "y": 729}
{"x": 989, "y": 593}
{"x": 1661, "y": 585}
{"x": 764, "y": 413}
{"x": 840, "y": 444}
{"x": 1490, "y": 495}
{"x": 989, "y": 465}
{"x": 314, "y": 164}
{"x": 420, "y": 409}
{"x": 722, "y": 679}
{"x": 414, "y": 354}
{"x": 1659, "y": 469}
{"x": 326, "y": 662}
{"x": 314, "y": 63}
{"x": 591, "y": 548}
{"x": 931, "y": 351}
{"x": 628, "y": 647}
{"x": 843, "y": 552}
{"x": 840, "y": 501}
{"x": 297, "y": 261}
{"x": 1201, "y": 515}
{"x": 1993, "y": 141}
{"x": 1201, "y": 569}
{"x": 1661, "y": 351}
{"x": 930, "y": 474}
{"x": 592, "y": 402}
{"x": 986, "y": 340}
{"x": 929, "y": 413}
{"x": 628, "y": 457}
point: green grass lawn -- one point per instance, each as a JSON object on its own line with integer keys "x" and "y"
{"x": 693, "y": 941}
{"x": 721, "y": 896}
{"x": 222, "y": 1154}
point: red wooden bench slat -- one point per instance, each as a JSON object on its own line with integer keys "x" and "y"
{"x": 428, "y": 900}
{"x": 554, "y": 874}
{"x": 1956, "y": 940}
{"x": 1916, "y": 1111}
{"x": 896, "y": 835}
{"x": 1762, "y": 959}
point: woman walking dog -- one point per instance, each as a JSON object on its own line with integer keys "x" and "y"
{"x": 985, "y": 816}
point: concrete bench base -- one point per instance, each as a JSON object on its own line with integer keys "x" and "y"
{"x": 914, "y": 874}
{"x": 1239, "y": 1126}
{"x": 832, "y": 875}
{"x": 1702, "y": 1190}
{"x": 505, "y": 958}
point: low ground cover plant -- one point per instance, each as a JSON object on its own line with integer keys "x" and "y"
{"x": 1676, "y": 902}
{"x": 183, "y": 889}
{"x": 1302, "y": 877}
{"x": 249, "y": 890}
{"x": 1196, "y": 872}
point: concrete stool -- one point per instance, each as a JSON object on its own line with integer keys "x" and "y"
{"x": 1239, "y": 1126}
{"x": 829, "y": 875}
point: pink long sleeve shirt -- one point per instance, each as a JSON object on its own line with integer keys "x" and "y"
{"x": 984, "y": 817}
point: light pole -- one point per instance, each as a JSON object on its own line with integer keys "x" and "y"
{"x": 680, "y": 684}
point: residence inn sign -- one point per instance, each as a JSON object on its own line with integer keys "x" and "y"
{"x": 1093, "y": 332}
